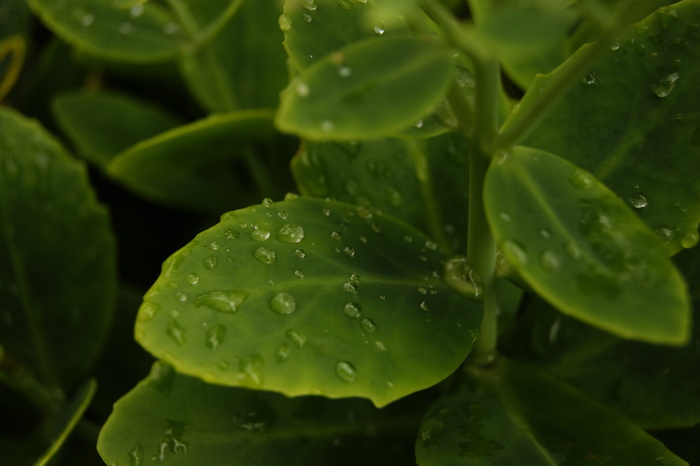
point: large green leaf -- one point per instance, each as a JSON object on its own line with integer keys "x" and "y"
{"x": 142, "y": 32}
{"x": 57, "y": 259}
{"x": 583, "y": 250}
{"x": 103, "y": 124}
{"x": 309, "y": 297}
{"x": 360, "y": 91}
{"x": 199, "y": 166}
{"x": 422, "y": 182}
{"x": 184, "y": 421}
{"x": 656, "y": 387}
{"x": 643, "y": 139}
{"x": 515, "y": 414}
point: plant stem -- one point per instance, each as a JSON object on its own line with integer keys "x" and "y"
{"x": 189, "y": 23}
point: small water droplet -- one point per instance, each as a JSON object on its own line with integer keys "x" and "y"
{"x": 378, "y": 29}
{"x": 352, "y": 310}
{"x": 505, "y": 216}
{"x": 251, "y": 368}
{"x": 572, "y": 250}
{"x": 171, "y": 28}
{"x": 283, "y": 352}
{"x": 176, "y": 332}
{"x": 345, "y": 5}
{"x": 147, "y": 311}
{"x": 214, "y": 246}
{"x": 231, "y": 234}
{"x": 350, "y": 252}
{"x": 639, "y": 201}
{"x": 514, "y": 252}
{"x": 545, "y": 233}
{"x": 290, "y": 234}
{"x": 431, "y": 245}
{"x": 136, "y": 11}
{"x": 259, "y": 234}
{"x": 310, "y": 5}
{"x": 424, "y": 306}
{"x": 300, "y": 253}
{"x": 664, "y": 87}
{"x": 368, "y": 326}
{"x": 87, "y": 20}
{"x": 550, "y": 260}
{"x": 690, "y": 239}
{"x": 589, "y": 79}
{"x": 302, "y": 89}
{"x": 298, "y": 338}
{"x": 581, "y": 179}
{"x": 350, "y": 288}
{"x": 354, "y": 278}
{"x": 227, "y": 301}
{"x": 299, "y": 273}
{"x": 182, "y": 297}
{"x": 345, "y": 371}
{"x": 215, "y": 336}
{"x": 380, "y": 346}
{"x": 265, "y": 255}
{"x": 307, "y": 17}
{"x": 283, "y": 304}
{"x": 344, "y": 71}
{"x": 267, "y": 202}
{"x": 125, "y": 28}
{"x": 336, "y": 235}
{"x": 615, "y": 46}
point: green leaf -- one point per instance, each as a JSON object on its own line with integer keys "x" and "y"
{"x": 641, "y": 140}
{"x": 198, "y": 166}
{"x": 583, "y": 250}
{"x": 360, "y": 92}
{"x": 102, "y": 124}
{"x": 57, "y": 258}
{"x": 142, "y": 33}
{"x": 229, "y": 73}
{"x": 184, "y": 421}
{"x": 424, "y": 183}
{"x": 313, "y": 30}
{"x": 515, "y": 414}
{"x": 309, "y": 297}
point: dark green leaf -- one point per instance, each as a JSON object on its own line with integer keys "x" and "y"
{"x": 199, "y": 166}
{"x": 583, "y": 250}
{"x": 102, "y": 124}
{"x": 57, "y": 264}
{"x": 309, "y": 297}
{"x": 514, "y": 414}
{"x": 424, "y": 183}
{"x": 144, "y": 32}
{"x": 183, "y": 421}
{"x": 360, "y": 92}
{"x": 641, "y": 140}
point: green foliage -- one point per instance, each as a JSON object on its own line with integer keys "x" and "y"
{"x": 490, "y": 259}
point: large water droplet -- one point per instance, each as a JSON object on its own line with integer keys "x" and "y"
{"x": 460, "y": 275}
{"x": 210, "y": 262}
{"x": 215, "y": 336}
{"x": 283, "y": 303}
{"x": 265, "y": 255}
{"x": 222, "y": 301}
{"x": 639, "y": 201}
{"x": 259, "y": 234}
{"x": 352, "y": 310}
{"x": 349, "y": 288}
{"x": 690, "y": 239}
{"x": 345, "y": 371}
{"x": 664, "y": 87}
{"x": 368, "y": 325}
{"x": 290, "y": 234}
{"x": 581, "y": 179}
{"x": 176, "y": 332}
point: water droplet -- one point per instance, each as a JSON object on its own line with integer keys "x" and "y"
{"x": 176, "y": 332}
{"x": 378, "y": 29}
{"x": 589, "y": 79}
{"x": 639, "y": 201}
{"x": 87, "y": 20}
{"x": 302, "y": 89}
{"x": 352, "y": 310}
{"x": 327, "y": 125}
{"x": 505, "y": 216}
{"x": 136, "y": 11}
{"x": 147, "y": 311}
{"x": 368, "y": 326}
{"x": 214, "y": 246}
{"x": 345, "y": 371}
{"x": 283, "y": 352}
{"x": 344, "y": 71}
{"x": 215, "y": 336}
{"x": 460, "y": 275}
{"x": 326, "y": 212}
{"x": 408, "y": 239}
{"x": 182, "y": 297}
{"x": 265, "y": 255}
{"x": 210, "y": 262}
{"x": 581, "y": 179}
{"x": 300, "y": 253}
{"x": 310, "y": 5}
{"x": 259, "y": 234}
{"x": 615, "y": 46}
{"x": 354, "y": 278}
{"x": 666, "y": 233}
{"x": 283, "y": 303}
{"x": 664, "y": 87}
{"x": 336, "y": 236}
{"x": 349, "y": 288}
{"x": 125, "y": 28}
{"x": 251, "y": 368}
{"x": 290, "y": 234}
{"x": 282, "y": 214}
{"x": 690, "y": 239}
{"x": 227, "y": 301}
{"x": 299, "y": 273}
{"x": 432, "y": 245}
{"x": 345, "y": 5}
{"x": 424, "y": 306}
{"x": 267, "y": 202}
{"x": 135, "y": 454}
{"x": 231, "y": 234}
{"x": 514, "y": 253}
{"x": 572, "y": 250}
{"x": 380, "y": 346}
{"x": 350, "y": 252}
{"x": 298, "y": 338}
{"x": 171, "y": 28}
{"x": 550, "y": 261}
{"x": 307, "y": 17}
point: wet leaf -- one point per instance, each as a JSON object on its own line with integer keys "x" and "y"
{"x": 255, "y": 427}
{"x": 359, "y": 92}
{"x": 57, "y": 265}
{"x": 309, "y": 297}
{"x": 583, "y": 250}
{"x": 515, "y": 414}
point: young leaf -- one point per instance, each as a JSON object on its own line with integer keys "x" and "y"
{"x": 360, "y": 92}
{"x": 424, "y": 183}
{"x": 650, "y": 159}
{"x": 193, "y": 166}
{"x": 583, "y": 250}
{"x": 144, "y": 32}
{"x": 309, "y": 297}
{"x": 515, "y": 414}
{"x": 57, "y": 264}
{"x": 103, "y": 124}
{"x": 181, "y": 420}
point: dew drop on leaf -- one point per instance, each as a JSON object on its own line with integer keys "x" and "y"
{"x": 210, "y": 262}
{"x": 251, "y": 368}
{"x": 368, "y": 325}
{"x": 572, "y": 250}
{"x": 307, "y": 17}
{"x": 550, "y": 261}
{"x": 664, "y": 87}
{"x": 192, "y": 278}
{"x": 581, "y": 179}
{"x": 379, "y": 30}
{"x": 283, "y": 352}
{"x": 232, "y": 234}
{"x": 283, "y": 303}
{"x": 265, "y": 255}
{"x": 639, "y": 201}
{"x": 300, "y": 253}
{"x": 228, "y": 301}
{"x": 298, "y": 338}
{"x": 176, "y": 332}
{"x": 215, "y": 336}
{"x": 589, "y": 79}
{"x": 345, "y": 5}
{"x": 147, "y": 311}
{"x": 310, "y": 5}
{"x": 345, "y": 371}
{"x": 690, "y": 239}
{"x": 424, "y": 306}
{"x": 87, "y": 20}
{"x": 349, "y": 288}
{"x": 259, "y": 234}
{"x": 352, "y": 310}
{"x": 290, "y": 234}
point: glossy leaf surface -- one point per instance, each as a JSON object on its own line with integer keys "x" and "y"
{"x": 651, "y": 158}
{"x": 103, "y": 124}
{"x": 515, "y": 414}
{"x": 424, "y": 183}
{"x": 57, "y": 266}
{"x": 199, "y": 166}
{"x": 583, "y": 250}
{"x": 360, "y": 92}
{"x": 309, "y": 297}
{"x": 181, "y": 420}
{"x": 142, "y": 32}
